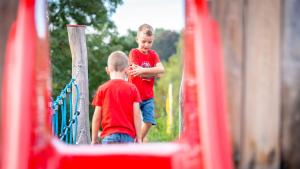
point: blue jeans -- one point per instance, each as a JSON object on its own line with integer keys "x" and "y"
{"x": 117, "y": 138}
{"x": 147, "y": 108}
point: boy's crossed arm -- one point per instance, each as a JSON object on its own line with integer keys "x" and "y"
{"x": 137, "y": 70}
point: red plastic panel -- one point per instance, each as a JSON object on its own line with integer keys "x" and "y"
{"x": 204, "y": 69}
{"x": 18, "y": 90}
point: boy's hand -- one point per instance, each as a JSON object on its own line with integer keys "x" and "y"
{"x": 135, "y": 70}
{"x": 138, "y": 140}
{"x": 95, "y": 142}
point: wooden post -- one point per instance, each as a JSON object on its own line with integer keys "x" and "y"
{"x": 291, "y": 85}
{"x": 251, "y": 32}
{"x": 79, "y": 61}
{"x": 230, "y": 16}
{"x": 261, "y": 149}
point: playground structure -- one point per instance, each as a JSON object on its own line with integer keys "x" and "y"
{"x": 26, "y": 130}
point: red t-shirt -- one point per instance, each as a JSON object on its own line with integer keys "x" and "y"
{"x": 116, "y": 98}
{"x": 144, "y": 85}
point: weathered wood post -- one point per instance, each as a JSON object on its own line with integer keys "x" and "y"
{"x": 291, "y": 85}
{"x": 262, "y": 100}
{"x": 78, "y": 48}
{"x": 252, "y": 49}
{"x": 231, "y": 18}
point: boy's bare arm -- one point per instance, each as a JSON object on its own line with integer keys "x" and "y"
{"x": 147, "y": 72}
{"x": 96, "y": 124}
{"x": 137, "y": 121}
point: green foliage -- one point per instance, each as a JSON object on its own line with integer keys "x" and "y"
{"x": 124, "y": 43}
{"x": 173, "y": 70}
{"x": 165, "y": 43}
{"x": 102, "y": 38}
{"x": 94, "y": 14}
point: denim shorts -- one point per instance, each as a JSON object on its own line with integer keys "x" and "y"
{"x": 117, "y": 138}
{"x": 147, "y": 108}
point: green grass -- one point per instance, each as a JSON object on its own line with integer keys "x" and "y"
{"x": 158, "y": 133}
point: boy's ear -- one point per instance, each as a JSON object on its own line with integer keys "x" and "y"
{"x": 137, "y": 39}
{"x": 107, "y": 70}
{"x": 126, "y": 71}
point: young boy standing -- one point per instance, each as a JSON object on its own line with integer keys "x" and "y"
{"x": 117, "y": 105}
{"x": 145, "y": 65}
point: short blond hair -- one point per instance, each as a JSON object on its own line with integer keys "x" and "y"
{"x": 118, "y": 61}
{"x": 146, "y": 28}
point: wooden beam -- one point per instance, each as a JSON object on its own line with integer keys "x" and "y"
{"x": 78, "y": 48}
{"x": 291, "y": 85}
{"x": 230, "y": 16}
{"x": 262, "y": 80}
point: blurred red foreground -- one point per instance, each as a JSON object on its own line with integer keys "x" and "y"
{"x": 26, "y": 134}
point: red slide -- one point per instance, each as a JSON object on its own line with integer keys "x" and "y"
{"x": 26, "y": 131}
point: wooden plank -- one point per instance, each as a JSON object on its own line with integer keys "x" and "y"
{"x": 78, "y": 48}
{"x": 291, "y": 86}
{"x": 262, "y": 90}
{"x": 230, "y": 16}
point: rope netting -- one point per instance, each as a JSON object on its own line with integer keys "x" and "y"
{"x": 64, "y": 118}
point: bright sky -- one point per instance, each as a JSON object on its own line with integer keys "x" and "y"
{"x": 167, "y": 14}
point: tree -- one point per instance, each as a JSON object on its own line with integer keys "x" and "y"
{"x": 93, "y": 13}
{"x": 165, "y": 43}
